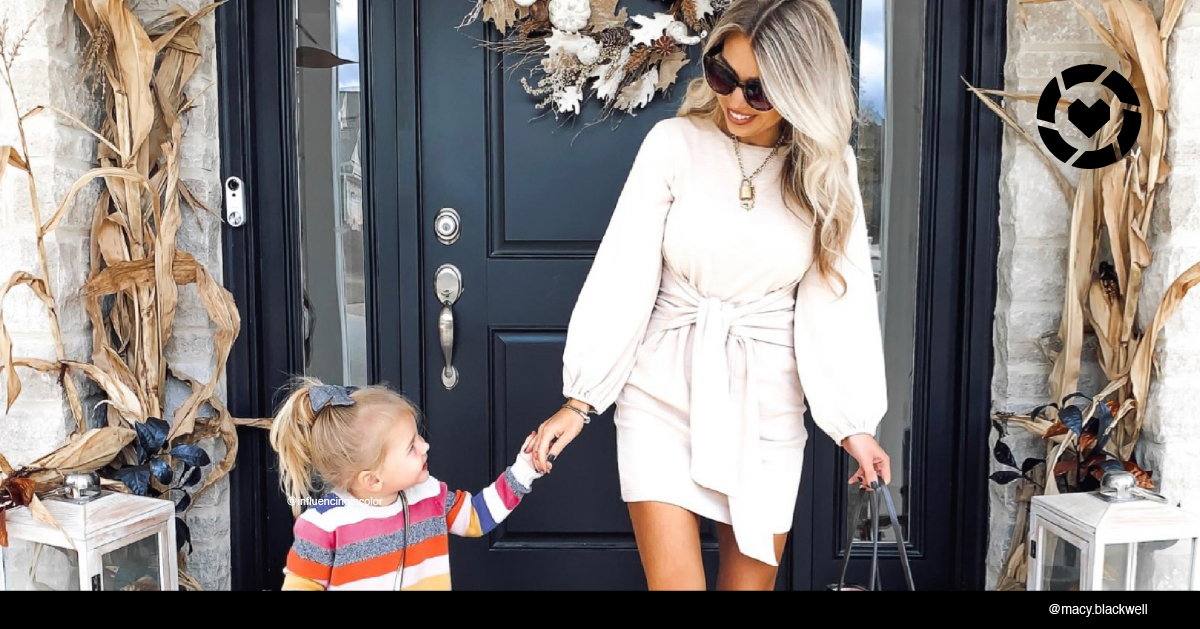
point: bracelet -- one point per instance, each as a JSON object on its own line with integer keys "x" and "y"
{"x": 584, "y": 415}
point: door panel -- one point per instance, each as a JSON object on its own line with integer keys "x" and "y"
{"x": 535, "y": 198}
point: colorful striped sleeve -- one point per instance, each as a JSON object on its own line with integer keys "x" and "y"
{"x": 470, "y": 515}
{"x": 310, "y": 560}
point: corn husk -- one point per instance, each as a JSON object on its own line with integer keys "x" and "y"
{"x": 1112, "y": 208}
{"x": 144, "y": 74}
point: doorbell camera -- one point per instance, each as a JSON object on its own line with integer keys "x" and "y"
{"x": 235, "y": 206}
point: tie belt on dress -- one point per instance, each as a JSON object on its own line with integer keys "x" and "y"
{"x": 725, "y": 439}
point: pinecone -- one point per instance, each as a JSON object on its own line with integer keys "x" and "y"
{"x": 638, "y": 58}
{"x": 663, "y": 46}
{"x": 615, "y": 37}
{"x": 689, "y": 15}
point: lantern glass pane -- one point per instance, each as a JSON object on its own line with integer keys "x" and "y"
{"x": 1063, "y": 564}
{"x": 133, "y": 567}
{"x": 1116, "y": 567}
{"x": 30, "y": 566}
{"x": 1164, "y": 565}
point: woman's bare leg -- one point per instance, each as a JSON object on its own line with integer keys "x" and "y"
{"x": 668, "y": 539}
{"x": 739, "y": 572}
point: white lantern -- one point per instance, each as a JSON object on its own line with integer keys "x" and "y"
{"x": 1118, "y": 538}
{"x": 108, "y": 541}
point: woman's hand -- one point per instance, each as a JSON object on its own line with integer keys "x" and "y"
{"x": 555, "y": 434}
{"x": 873, "y": 462}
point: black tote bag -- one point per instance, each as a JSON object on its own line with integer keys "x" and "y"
{"x": 855, "y": 519}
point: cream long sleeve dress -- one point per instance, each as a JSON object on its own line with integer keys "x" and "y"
{"x": 708, "y": 325}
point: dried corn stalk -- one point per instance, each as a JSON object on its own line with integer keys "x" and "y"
{"x": 131, "y": 294}
{"x": 1111, "y": 216}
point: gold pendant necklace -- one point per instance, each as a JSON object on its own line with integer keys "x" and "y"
{"x": 746, "y": 191}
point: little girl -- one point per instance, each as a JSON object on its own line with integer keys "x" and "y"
{"x": 383, "y": 525}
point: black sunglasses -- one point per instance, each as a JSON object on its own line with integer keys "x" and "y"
{"x": 723, "y": 80}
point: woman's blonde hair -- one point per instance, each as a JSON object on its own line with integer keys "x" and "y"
{"x": 336, "y": 443}
{"x": 806, "y": 75}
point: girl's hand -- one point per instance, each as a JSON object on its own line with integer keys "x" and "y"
{"x": 553, "y": 436}
{"x": 524, "y": 460}
{"x": 873, "y": 462}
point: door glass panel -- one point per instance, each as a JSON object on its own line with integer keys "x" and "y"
{"x": 329, "y": 148}
{"x": 891, "y": 87}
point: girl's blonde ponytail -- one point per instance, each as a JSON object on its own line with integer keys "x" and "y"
{"x": 292, "y": 439}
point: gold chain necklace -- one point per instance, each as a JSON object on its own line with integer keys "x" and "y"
{"x": 746, "y": 193}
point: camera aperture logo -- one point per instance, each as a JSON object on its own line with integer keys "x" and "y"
{"x": 1089, "y": 118}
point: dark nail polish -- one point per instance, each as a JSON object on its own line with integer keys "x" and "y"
{"x": 551, "y": 458}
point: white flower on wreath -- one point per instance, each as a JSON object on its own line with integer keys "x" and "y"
{"x": 586, "y": 49}
{"x": 650, "y": 28}
{"x": 569, "y": 99}
{"x": 570, "y": 15}
{"x": 525, "y": 3}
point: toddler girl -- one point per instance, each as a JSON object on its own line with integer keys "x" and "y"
{"x": 383, "y": 523}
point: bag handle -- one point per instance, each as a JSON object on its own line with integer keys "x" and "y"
{"x": 859, "y": 503}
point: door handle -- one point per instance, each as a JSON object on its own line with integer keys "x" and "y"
{"x": 447, "y": 281}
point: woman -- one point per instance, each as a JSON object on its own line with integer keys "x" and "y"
{"x": 734, "y": 281}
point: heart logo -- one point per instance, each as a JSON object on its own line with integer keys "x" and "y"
{"x": 1088, "y": 119}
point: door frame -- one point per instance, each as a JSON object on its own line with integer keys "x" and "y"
{"x": 256, "y": 87}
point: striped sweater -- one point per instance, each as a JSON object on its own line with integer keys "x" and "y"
{"x": 345, "y": 544}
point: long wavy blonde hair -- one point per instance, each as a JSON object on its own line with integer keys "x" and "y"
{"x": 805, "y": 72}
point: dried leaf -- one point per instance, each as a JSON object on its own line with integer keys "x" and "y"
{"x": 1028, "y": 97}
{"x": 86, "y": 452}
{"x": 226, "y": 429}
{"x": 1065, "y": 374}
{"x": 668, "y": 70}
{"x": 265, "y": 423}
{"x": 1064, "y": 467}
{"x": 1087, "y": 441}
{"x": 10, "y": 156}
{"x": 1143, "y": 354}
{"x": 78, "y": 123}
{"x": 117, "y": 173}
{"x": 161, "y": 41}
{"x": 194, "y": 202}
{"x": 638, "y": 93}
{"x": 1142, "y": 476}
{"x": 5, "y": 468}
{"x": 21, "y": 491}
{"x": 605, "y": 15}
{"x": 502, "y": 13}
{"x": 1134, "y": 26}
{"x": 1067, "y": 189}
{"x": 1099, "y": 28}
{"x": 7, "y": 363}
{"x": 133, "y": 68}
{"x": 1115, "y": 183}
{"x": 120, "y": 397}
{"x": 1171, "y": 12}
{"x": 43, "y": 515}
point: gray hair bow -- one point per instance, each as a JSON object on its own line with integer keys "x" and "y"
{"x": 324, "y": 395}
